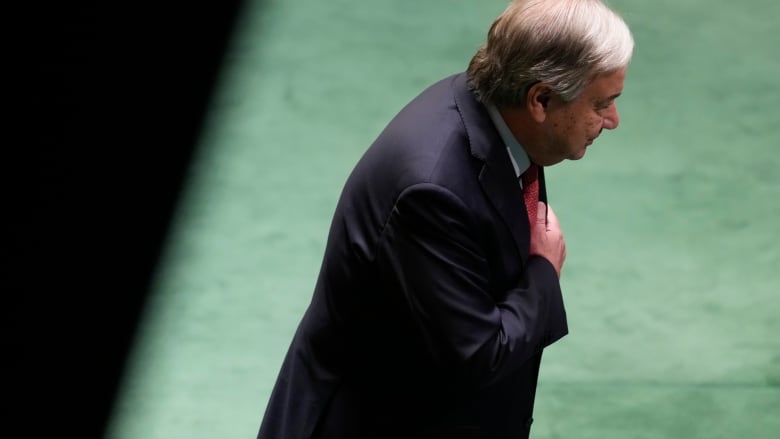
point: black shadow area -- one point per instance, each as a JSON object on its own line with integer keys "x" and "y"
{"x": 111, "y": 98}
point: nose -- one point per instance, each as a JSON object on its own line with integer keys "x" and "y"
{"x": 611, "y": 117}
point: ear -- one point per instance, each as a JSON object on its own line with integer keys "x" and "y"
{"x": 536, "y": 101}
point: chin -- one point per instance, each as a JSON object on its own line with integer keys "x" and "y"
{"x": 578, "y": 155}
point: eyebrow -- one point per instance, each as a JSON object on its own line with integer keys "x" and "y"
{"x": 609, "y": 99}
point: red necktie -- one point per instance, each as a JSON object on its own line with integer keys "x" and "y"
{"x": 530, "y": 180}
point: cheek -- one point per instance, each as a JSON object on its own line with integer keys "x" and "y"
{"x": 592, "y": 125}
{"x": 579, "y": 124}
{"x": 574, "y": 126}
{"x": 568, "y": 126}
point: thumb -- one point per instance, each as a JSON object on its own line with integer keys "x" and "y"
{"x": 541, "y": 213}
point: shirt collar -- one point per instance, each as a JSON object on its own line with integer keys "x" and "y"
{"x": 517, "y": 154}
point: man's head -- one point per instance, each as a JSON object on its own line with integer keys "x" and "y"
{"x": 554, "y": 69}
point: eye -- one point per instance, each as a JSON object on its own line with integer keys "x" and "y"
{"x": 605, "y": 103}
{"x": 603, "y": 107}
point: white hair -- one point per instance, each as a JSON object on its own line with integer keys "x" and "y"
{"x": 563, "y": 43}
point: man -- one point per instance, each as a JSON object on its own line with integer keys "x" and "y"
{"x": 439, "y": 286}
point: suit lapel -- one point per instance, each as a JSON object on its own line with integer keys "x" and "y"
{"x": 497, "y": 176}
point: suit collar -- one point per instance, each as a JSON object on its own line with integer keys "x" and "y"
{"x": 484, "y": 139}
{"x": 497, "y": 176}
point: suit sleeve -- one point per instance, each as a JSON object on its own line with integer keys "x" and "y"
{"x": 430, "y": 249}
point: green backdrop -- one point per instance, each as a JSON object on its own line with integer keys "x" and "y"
{"x": 672, "y": 221}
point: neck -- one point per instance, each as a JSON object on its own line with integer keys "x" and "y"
{"x": 527, "y": 132}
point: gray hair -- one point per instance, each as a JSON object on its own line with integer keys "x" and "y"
{"x": 563, "y": 43}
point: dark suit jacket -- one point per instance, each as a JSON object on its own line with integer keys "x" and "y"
{"x": 429, "y": 317}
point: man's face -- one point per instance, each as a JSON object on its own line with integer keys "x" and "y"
{"x": 570, "y": 127}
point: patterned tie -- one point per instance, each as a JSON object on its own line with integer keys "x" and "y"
{"x": 530, "y": 180}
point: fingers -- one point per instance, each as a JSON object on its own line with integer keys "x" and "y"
{"x": 541, "y": 213}
{"x": 549, "y": 215}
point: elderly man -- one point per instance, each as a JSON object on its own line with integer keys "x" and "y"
{"x": 439, "y": 287}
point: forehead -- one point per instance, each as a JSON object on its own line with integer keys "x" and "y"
{"x": 606, "y": 86}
